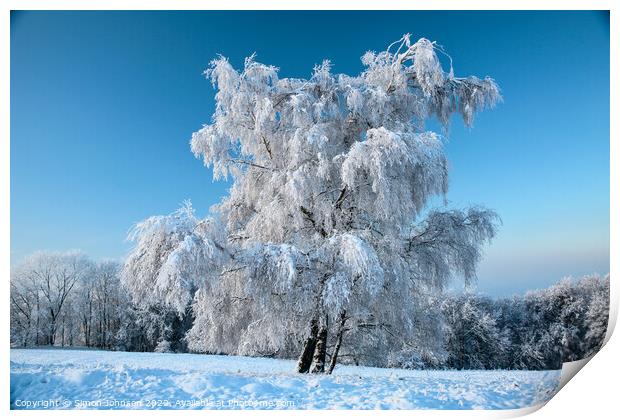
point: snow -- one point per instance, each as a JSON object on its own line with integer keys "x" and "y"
{"x": 51, "y": 378}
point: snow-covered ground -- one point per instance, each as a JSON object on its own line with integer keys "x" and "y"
{"x": 100, "y": 379}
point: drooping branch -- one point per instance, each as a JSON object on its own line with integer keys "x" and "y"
{"x": 450, "y": 242}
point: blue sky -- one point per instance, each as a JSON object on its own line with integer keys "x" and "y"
{"x": 103, "y": 105}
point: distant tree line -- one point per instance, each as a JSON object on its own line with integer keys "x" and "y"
{"x": 66, "y": 299}
{"x": 541, "y": 330}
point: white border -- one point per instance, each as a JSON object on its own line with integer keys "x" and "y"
{"x": 593, "y": 393}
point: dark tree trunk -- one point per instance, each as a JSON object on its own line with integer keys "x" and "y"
{"x": 309, "y": 351}
{"x": 339, "y": 334}
{"x": 62, "y": 331}
{"x": 38, "y": 322}
{"x": 318, "y": 360}
{"x": 305, "y": 359}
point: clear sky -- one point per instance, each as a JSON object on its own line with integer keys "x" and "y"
{"x": 103, "y": 105}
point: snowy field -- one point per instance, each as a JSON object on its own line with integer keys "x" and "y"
{"x": 101, "y": 379}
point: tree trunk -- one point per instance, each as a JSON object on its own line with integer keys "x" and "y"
{"x": 318, "y": 360}
{"x": 305, "y": 362}
{"x": 52, "y": 334}
{"x": 334, "y": 359}
{"x": 305, "y": 359}
{"x": 38, "y": 318}
{"x": 62, "y": 331}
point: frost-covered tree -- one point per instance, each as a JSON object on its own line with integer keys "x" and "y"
{"x": 100, "y": 303}
{"x": 66, "y": 299}
{"x": 474, "y": 340}
{"x": 43, "y": 285}
{"x": 25, "y": 311}
{"x": 541, "y": 330}
{"x": 568, "y": 320}
{"x": 140, "y": 329}
{"x": 597, "y": 315}
{"x": 322, "y": 234}
{"x": 170, "y": 259}
{"x": 174, "y": 255}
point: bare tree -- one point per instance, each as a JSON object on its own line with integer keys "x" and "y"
{"x": 51, "y": 278}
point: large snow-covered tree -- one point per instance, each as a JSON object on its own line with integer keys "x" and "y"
{"x": 325, "y": 235}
